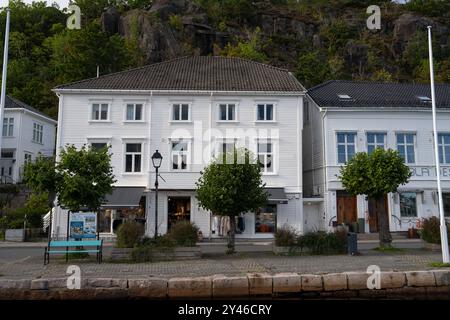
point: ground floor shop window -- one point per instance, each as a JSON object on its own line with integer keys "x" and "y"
{"x": 446, "y": 200}
{"x": 179, "y": 209}
{"x": 265, "y": 219}
{"x": 408, "y": 204}
{"x": 111, "y": 219}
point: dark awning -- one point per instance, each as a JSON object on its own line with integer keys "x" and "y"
{"x": 276, "y": 195}
{"x": 124, "y": 197}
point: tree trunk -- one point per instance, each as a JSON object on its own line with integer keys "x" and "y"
{"x": 231, "y": 235}
{"x": 383, "y": 229}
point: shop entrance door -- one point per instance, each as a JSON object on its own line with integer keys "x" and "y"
{"x": 347, "y": 211}
{"x": 179, "y": 209}
{"x": 376, "y": 208}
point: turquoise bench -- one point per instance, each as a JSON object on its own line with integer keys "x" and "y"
{"x": 72, "y": 246}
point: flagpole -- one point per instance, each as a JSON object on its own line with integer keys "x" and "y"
{"x": 4, "y": 73}
{"x": 444, "y": 241}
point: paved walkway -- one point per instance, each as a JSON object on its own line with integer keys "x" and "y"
{"x": 32, "y": 267}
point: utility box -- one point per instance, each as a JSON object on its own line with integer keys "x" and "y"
{"x": 352, "y": 243}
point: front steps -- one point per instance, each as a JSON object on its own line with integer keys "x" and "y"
{"x": 375, "y": 236}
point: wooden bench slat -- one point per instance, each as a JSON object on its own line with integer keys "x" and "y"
{"x": 74, "y": 251}
{"x": 75, "y": 243}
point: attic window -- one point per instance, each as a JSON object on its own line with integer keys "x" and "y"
{"x": 424, "y": 99}
{"x": 344, "y": 96}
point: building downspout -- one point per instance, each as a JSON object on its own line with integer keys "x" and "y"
{"x": 59, "y": 131}
{"x": 19, "y": 156}
{"x": 300, "y": 221}
{"x": 324, "y": 161}
{"x": 209, "y": 148}
{"x": 149, "y": 182}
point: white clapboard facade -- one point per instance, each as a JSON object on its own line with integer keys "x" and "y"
{"x": 27, "y": 133}
{"x": 343, "y": 117}
{"x": 189, "y": 109}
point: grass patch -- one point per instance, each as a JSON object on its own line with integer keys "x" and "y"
{"x": 439, "y": 265}
{"x": 389, "y": 249}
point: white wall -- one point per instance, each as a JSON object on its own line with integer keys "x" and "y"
{"x": 157, "y": 129}
{"x": 423, "y": 180}
{"x": 22, "y": 140}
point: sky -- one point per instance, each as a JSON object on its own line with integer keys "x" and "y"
{"x": 61, "y": 3}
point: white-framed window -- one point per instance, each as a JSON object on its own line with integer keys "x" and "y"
{"x": 375, "y": 140}
{"x": 99, "y": 145}
{"x": 181, "y": 112}
{"x": 134, "y": 112}
{"x": 38, "y": 130}
{"x": 266, "y": 156}
{"x": 28, "y": 157}
{"x": 406, "y": 146}
{"x": 346, "y": 146}
{"x": 8, "y": 127}
{"x": 265, "y": 112}
{"x": 133, "y": 157}
{"x": 100, "y": 112}
{"x": 444, "y": 147}
{"x": 408, "y": 204}
{"x": 6, "y": 154}
{"x": 227, "y": 112}
{"x": 180, "y": 155}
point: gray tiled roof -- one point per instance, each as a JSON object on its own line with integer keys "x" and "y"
{"x": 199, "y": 73}
{"x": 376, "y": 94}
{"x": 11, "y": 102}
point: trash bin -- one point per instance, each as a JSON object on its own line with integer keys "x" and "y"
{"x": 361, "y": 225}
{"x": 352, "y": 243}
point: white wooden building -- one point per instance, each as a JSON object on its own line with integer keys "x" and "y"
{"x": 189, "y": 109}
{"x": 344, "y": 117}
{"x": 27, "y": 132}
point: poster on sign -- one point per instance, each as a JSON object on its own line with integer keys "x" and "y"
{"x": 83, "y": 225}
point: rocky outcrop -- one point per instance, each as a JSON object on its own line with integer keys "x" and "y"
{"x": 154, "y": 38}
{"x": 408, "y": 24}
{"x": 166, "y": 8}
{"x": 355, "y": 54}
{"x": 110, "y": 20}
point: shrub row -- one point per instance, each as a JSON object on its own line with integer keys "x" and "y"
{"x": 318, "y": 242}
{"x": 131, "y": 235}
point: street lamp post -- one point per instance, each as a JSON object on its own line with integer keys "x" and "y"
{"x": 156, "y": 160}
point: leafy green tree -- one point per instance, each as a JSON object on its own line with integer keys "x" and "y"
{"x": 251, "y": 50}
{"x": 41, "y": 177}
{"x": 75, "y": 54}
{"x": 231, "y": 185}
{"x": 375, "y": 175}
{"x": 316, "y": 66}
{"x": 85, "y": 177}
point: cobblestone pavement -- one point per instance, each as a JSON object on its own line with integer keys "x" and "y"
{"x": 32, "y": 267}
